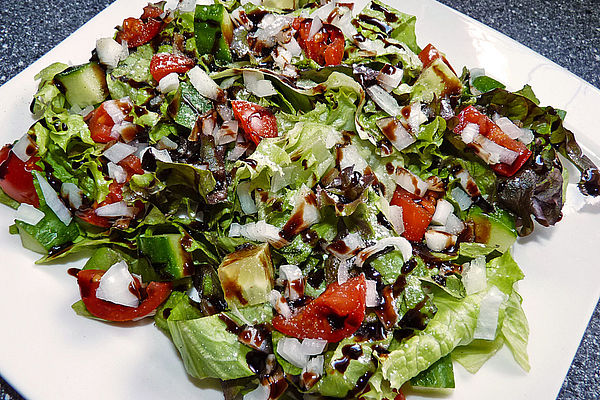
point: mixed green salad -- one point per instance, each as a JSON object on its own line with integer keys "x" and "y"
{"x": 306, "y": 201}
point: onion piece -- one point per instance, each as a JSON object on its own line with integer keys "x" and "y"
{"x": 24, "y": 148}
{"x": 462, "y": 198}
{"x": 416, "y": 117}
{"x": 489, "y": 309}
{"x": 453, "y": 225}
{"x": 315, "y": 27}
{"x": 410, "y": 182}
{"x": 118, "y": 209}
{"x": 115, "y": 112}
{"x": 351, "y": 158}
{"x": 343, "y": 272}
{"x": 293, "y": 47}
{"x": 262, "y": 392}
{"x": 527, "y": 136}
{"x": 468, "y": 183}
{"x": 438, "y": 240}
{"x": 314, "y": 365}
{"x": 469, "y": 132}
{"x": 227, "y": 133}
{"x": 246, "y": 201}
{"x": 493, "y": 153}
{"x": 291, "y": 350}
{"x": 390, "y": 76}
{"x": 204, "y": 84}
{"x": 186, "y": 5}
{"x": 52, "y": 199}
{"x": 118, "y": 152}
{"x": 508, "y": 127}
{"x": 399, "y": 243}
{"x": 116, "y": 172}
{"x": 259, "y": 232}
{"x": 474, "y": 275}
{"x": 384, "y": 100}
{"x": 109, "y": 52}
{"x": 114, "y": 286}
{"x": 166, "y": 143}
{"x": 324, "y": 12}
{"x": 346, "y": 247}
{"x": 396, "y": 133}
{"x": 313, "y": 346}
{"x": 280, "y": 304}
{"x": 169, "y": 83}
{"x": 72, "y": 193}
{"x": 161, "y": 155}
{"x": 29, "y": 214}
{"x": 443, "y": 209}
{"x": 372, "y": 298}
{"x": 237, "y": 151}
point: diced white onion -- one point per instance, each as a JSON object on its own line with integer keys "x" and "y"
{"x": 372, "y": 298}
{"x": 116, "y": 172}
{"x": 315, "y": 27}
{"x": 453, "y": 225}
{"x": 314, "y": 365}
{"x": 293, "y": 47}
{"x": 262, "y": 392}
{"x": 257, "y": 85}
{"x": 246, "y": 201}
{"x": 443, "y": 209}
{"x": 324, "y": 12}
{"x": 115, "y": 112}
{"x": 186, "y": 5}
{"x": 193, "y": 294}
{"x": 290, "y": 273}
{"x": 114, "y": 286}
{"x": 416, "y": 117}
{"x": 225, "y": 112}
{"x": 343, "y": 272}
{"x": 469, "y": 132}
{"x": 291, "y": 350}
{"x": 124, "y": 49}
{"x": 396, "y": 133}
{"x": 468, "y": 183}
{"x": 118, "y": 209}
{"x": 204, "y": 84}
{"x": 227, "y": 133}
{"x": 353, "y": 241}
{"x": 474, "y": 275}
{"x": 384, "y": 100}
{"x": 169, "y": 83}
{"x": 109, "y": 51}
{"x": 508, "y": 127}
{"x": 410, "y": 182}
{"x": 118, "y": 152}
{"x": 489, "y": 309}
{"x": 259, "y": 232}
{"x": 20, "y": 149}
{"x": 52, "y": 199}
{"x": 498, "y": 154}
{"x": 527, "y": 136}
{"x": 72, "y": 193}
{"x": 462, "y": 198}
{"x": 344, "y": 22}
{"x": 313, "y": 347}
{"x": 280, "y": 304}
{"x": 476, "y": 73}
{"x": 394, "y": 79}
{"x": 399, "y": 243}
{"x": 237, "y": 151}
{"x": 29, "y": 214}
{"x": 166, "y": 143}
{"x": 161, "y": 155}
{"x": 396, "y": 218}
{"x": 439, "y": 241}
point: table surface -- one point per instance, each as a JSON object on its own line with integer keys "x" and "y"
{"x": 565, "y": 31}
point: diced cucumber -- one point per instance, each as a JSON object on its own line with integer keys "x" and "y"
{"x": 167, "y": 253}
{"x": 85, "y": 85}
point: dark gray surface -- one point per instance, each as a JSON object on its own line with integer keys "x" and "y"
{"x": 567, "y": 32}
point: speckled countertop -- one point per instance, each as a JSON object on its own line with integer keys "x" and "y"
{"x": 565, "y": 31}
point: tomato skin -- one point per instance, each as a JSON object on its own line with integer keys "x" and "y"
{"x": 257, "y": 121}
{"x": 429, "y": 54}
{"x": 101, "y": 123}
{"x": 344, "y": 303}
{"x": 89, "y": 280}
{"x": 151, "y": 11}
{"x": 139, "y": 31}
{"x": 16, "y": 179}
{"x": 326, "y": 47}
{"x": 162, "y": 64}
{"x": 90, "y": 216}
{"x": 490, "y": 130}
{"x": 132, "y": 165}
{"x": 417, "y": 213}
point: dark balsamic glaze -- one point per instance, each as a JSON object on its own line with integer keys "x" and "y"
{"x": 349, "y": 352}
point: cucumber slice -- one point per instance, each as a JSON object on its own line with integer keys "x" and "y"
{"x": 85, "y": 85}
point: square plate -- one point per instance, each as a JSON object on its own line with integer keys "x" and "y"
{"x": 48, "y": 352}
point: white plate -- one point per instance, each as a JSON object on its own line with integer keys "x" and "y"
{"x": 48, "y": 352}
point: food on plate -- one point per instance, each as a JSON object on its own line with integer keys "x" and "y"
{"x": 304, "y": 199}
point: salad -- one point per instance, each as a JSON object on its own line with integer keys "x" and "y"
{"x": 303, "y": 199}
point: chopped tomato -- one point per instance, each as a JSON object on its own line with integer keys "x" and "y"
{"x": 101, "y": 123}
{"x": 326, "y": 47}
{"x": 336, "y": 314}
{"x": 430, "y": 53}
{"x": 151, "y": 297}
{"x": 132, "y": 165}
{"x": 89, "y": 215}
{"x": 138, "y": 31}
{"x": 16, "y": 179}
{"x": 162, "y": 64}
{"x": 490, "y": 130}
{"x": 417, "y": 213}
{"x": 256, "y": 121}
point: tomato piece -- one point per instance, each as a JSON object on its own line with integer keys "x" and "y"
{"x": 257, "y": 121}
{"x": 138, "y": 32}
{"x": 16, "y": 179}
{"x": 162, "y": 64}
{"x": 336, "y": 314}
{"x": 101, "y": 123}
{"x": 89, "y": 215}
{"x": 429, "y": 54}
{"x": 151, "y": 11}
{"x": 417, "y": 213}
{"x": 490, "y": 130}
{"x": 326, "y": 47}
{"x": 152, "y": 297}
{"x": 132, "y": 165}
